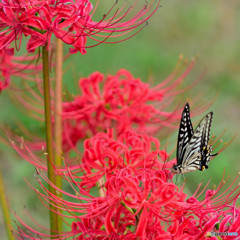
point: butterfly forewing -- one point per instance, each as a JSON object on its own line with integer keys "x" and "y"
{"x": 185, "y": 133}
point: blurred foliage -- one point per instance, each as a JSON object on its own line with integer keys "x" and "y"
{"x": 206, "y": 29}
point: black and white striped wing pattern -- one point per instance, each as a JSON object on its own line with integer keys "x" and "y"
{"x": 205, "y": 148}
{"x": 199, "y": 138}
{"x": 206, "y": 130}
{"x": 185, "y": 133}
{"x": 193, "y": 153}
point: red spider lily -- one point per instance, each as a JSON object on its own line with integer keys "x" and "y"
{"x": 103, "y": 154}
{"x": 140, "y": 199}
{"x": 120, "y": 101}
{"x": 19, "y": 66}
{"x": 99, "y": 154}
{"x": 123, "y": 102}
{"x": 69, "y": 20}
{"x": 147, "y": 205}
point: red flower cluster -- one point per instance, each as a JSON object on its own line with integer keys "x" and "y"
{"x": 103, "y": 154}
{"x": 146, "y": 204}
{"x": 138, "y": 197}
{"x": 69, "y": 20}
{"x": 120, "y": 101}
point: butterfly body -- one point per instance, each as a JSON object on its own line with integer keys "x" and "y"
{"x": 193, "y": 150}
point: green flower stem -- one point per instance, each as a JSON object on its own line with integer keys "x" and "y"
{"x": 128, "y": 208}
{"x": 6, "y": 215}
{"x": 58, "y": 119}
{"x": 48, "y": 129}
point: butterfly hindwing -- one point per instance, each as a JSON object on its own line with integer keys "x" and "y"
{"x": 192, "y": 163}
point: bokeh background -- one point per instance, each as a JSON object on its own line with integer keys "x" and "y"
{"x": 205, "y": 29}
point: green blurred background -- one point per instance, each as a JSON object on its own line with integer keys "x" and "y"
{"x": 207, "y": 29}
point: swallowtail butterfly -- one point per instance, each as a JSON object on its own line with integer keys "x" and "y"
{"x": 193, "y": 150}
